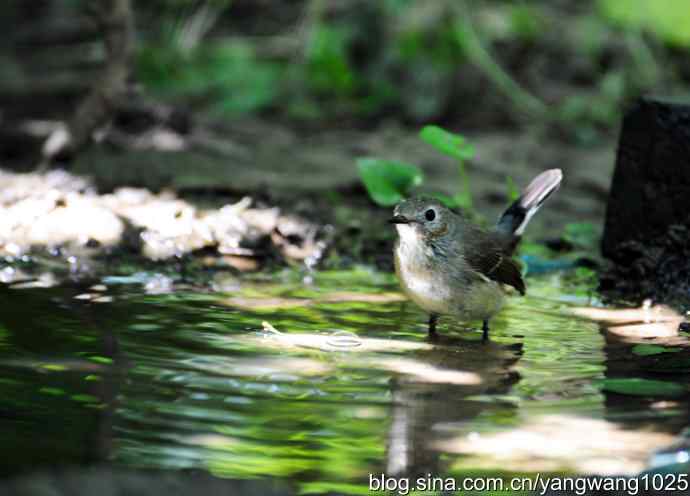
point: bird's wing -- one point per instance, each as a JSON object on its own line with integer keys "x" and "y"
{"x": 490, "y": 261}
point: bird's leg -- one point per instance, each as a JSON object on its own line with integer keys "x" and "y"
{"x": 433, "y": 318}
{"x": 485, "y": 330}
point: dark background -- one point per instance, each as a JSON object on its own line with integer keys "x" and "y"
{"x": 278, "y": 98}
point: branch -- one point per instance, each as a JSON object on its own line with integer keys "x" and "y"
{"x": 116, "y": 23}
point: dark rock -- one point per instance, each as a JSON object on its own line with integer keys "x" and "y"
{"x": 648, "y": 213}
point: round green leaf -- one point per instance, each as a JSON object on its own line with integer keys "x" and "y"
{"x": 652, "y": 349}
{"x": 643, "y": 387}
{"x": 447, "y": 143}
{"x": 386, "y": 181}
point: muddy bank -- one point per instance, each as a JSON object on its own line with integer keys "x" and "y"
{"x": 314, "y": 175}
{"x": 260, "y": 157}
{"x": 246, "y": 201}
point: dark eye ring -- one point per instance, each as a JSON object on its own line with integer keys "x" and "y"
{"x": 430, "y": 214}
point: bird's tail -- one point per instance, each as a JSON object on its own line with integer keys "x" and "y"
{"x": 517, "y": 216}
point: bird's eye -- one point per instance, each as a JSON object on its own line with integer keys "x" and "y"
{"x": 430, "y": 214}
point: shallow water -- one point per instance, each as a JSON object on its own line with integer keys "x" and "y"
{"x": 341, "y": 383}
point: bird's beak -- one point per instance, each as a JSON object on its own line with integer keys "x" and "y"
{"x": 399, "y": 219}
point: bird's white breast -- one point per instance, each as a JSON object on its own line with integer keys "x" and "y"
{"x": 436, "y": 291}
{"x": 417, "y": 280}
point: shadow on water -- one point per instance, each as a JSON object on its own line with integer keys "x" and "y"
{"x": 335, "y": 386}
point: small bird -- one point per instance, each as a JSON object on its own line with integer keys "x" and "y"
{"x": 450, "y": 266}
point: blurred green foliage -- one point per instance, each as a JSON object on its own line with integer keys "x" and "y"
{"x": 668, "y": 19}
{"x": 226, "y": 73}
{"x": 479, "y": 63}
{"x": 328, "y": 70}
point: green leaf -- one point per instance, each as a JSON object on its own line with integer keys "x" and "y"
{"x": 84, "y": 398}
{"x": 51, "y": 391}
{"x": 643, "y": 387}
{"x": 101, "y": 359}
{"x": 652, "y": 349}
{"x": 453, "y": 145}
{"x": 54, "y": 367}
{"x": 386, "y": 181}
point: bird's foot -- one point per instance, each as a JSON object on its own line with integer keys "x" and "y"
{"x": 433, "y": 319}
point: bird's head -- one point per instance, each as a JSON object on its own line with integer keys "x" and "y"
{"x": 422, "y": 219}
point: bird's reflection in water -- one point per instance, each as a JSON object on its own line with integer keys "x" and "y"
{"x": 422, "y": 411}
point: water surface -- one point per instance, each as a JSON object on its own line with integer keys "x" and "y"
{"x": 341, "y": 382}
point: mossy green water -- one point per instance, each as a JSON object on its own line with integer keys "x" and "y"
{"x": 339, "y": 383}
